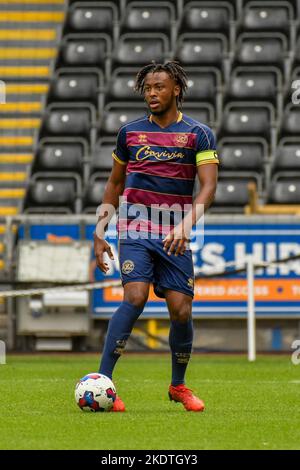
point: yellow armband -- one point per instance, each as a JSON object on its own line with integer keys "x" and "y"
{"x": 207, "y": 156}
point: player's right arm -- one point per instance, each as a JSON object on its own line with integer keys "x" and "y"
{"x": 110, "y": 202}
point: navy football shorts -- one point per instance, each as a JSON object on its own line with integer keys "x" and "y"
{"x": 144, "y": 260}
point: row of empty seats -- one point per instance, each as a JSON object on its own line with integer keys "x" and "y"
{"x": 188, "y": 14}
{"x": 191, "y": 49}
{"x": 240, "y": 67}
{"x": 59, "y": 194}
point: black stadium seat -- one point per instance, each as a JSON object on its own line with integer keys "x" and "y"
{"x": 202, "y": 49}
{"x": 203, "y": 112}
{"x": 297, "y": 51}
{"x": 117, "y": 114}
{"x": 248, "y": 119}
{"x": 294, "y": 4}
{"x": 141, "y": 48}
{"x": 285, "y": 188}
{"x": 92, "y": 17}
{"x": 254, "y": 83}
{"x": 262, "y": 49}
{"x": 242, "y": 154}
{"x": 120, "y": 4}
{"x": 70, "y": 84}
{"x": 264, "y": 16}
{"x": 290, "y": 120}
{"x": 287, "y": 156}
{"x": 150, "y": 17}
{"x": 53, "y": 194}
{"x": 60, "y": 155}
{"x": 204, "y": 84}
{"x": 69, "y": 119}
{"x": 232, "y": 193}
{"x": 94, "y": 193}
{"x": 214, "y": 17}
{"x": 102, "y": 158}
{"x": 121, "y": 85}
{"x": 79, "y": 50}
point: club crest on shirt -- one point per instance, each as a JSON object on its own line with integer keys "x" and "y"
{"x": 127, "y": 266}
{"x": 142, "y": 138}
{"x": 181, "y": 140}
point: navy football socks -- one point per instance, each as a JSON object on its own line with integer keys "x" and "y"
{"x": 180, "y": 340}
{"x": 119, "y": 329}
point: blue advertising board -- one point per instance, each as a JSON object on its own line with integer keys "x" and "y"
{"x": 277, "y": 288}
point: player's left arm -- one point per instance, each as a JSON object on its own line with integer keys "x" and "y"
{"x": 207, "y": 171}
{"x": 176, "y": 241}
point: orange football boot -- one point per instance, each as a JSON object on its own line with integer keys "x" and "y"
{"x": 184, "y": 395}
{"x": 118, "y": 405}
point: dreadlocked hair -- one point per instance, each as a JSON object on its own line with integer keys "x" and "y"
{"x": 172, "y": 68}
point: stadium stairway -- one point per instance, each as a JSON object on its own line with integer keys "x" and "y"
{"x": 29, "y": 39}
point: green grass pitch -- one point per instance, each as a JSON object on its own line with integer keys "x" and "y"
{"x": 248, "y": 405}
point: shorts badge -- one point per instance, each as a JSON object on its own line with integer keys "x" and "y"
{"x": 127, "y": 266}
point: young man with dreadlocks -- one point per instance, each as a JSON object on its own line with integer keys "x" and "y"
{"x": 156, "y": 160}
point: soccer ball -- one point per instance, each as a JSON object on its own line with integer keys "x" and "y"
{"x": 95, "y": 392}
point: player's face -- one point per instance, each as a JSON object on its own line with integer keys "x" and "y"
{"x": 160, "y": 92}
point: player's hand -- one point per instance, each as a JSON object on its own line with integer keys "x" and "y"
{"x": 176, "y": 241}
{"x": 100, "y": 247}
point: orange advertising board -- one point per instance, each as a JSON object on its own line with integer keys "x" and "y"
{"x": 227, "y": 290}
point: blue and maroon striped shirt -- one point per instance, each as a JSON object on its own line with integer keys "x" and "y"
{"x": 161, "y": 167}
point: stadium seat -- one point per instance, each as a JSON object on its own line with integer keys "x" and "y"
{"x": 255, "y": 83}
{"x": 285, "y": 188}
{"x": 248, "y": 119}
{"x": 79, "y": 50}
{"x": 94, "y": 193}
{"x": 60, "y": 155}
{"x": 294, "y": 4}
{"x": 290, "y": 121}
{"x": 287, "y": 156}
{"x": 69, "y": 119}
{"x": 202, "y": 49}
{"x": 204, "y": 84}
{"x": 121, "y": 85}
{"x": 265, "y": 16}
{"x": 203, "y": 113}
{"x": 117, "y": 114}
{"x": 53, "y": 193}
{"x": 141, "y": 48}
{"x": 102, "y": 159}
{"x": 93, "y": 17}
{"x": 207, "y": 16}
{"x": 242, "y": 154}
{"x": 297, "y": 52}
{"x": 120, "y": 4}
{"x": 153, "y": 17}
{"x": 77, "y": 85}
{"x": 232, "y": 193}
{"x": 262, "y": 49}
